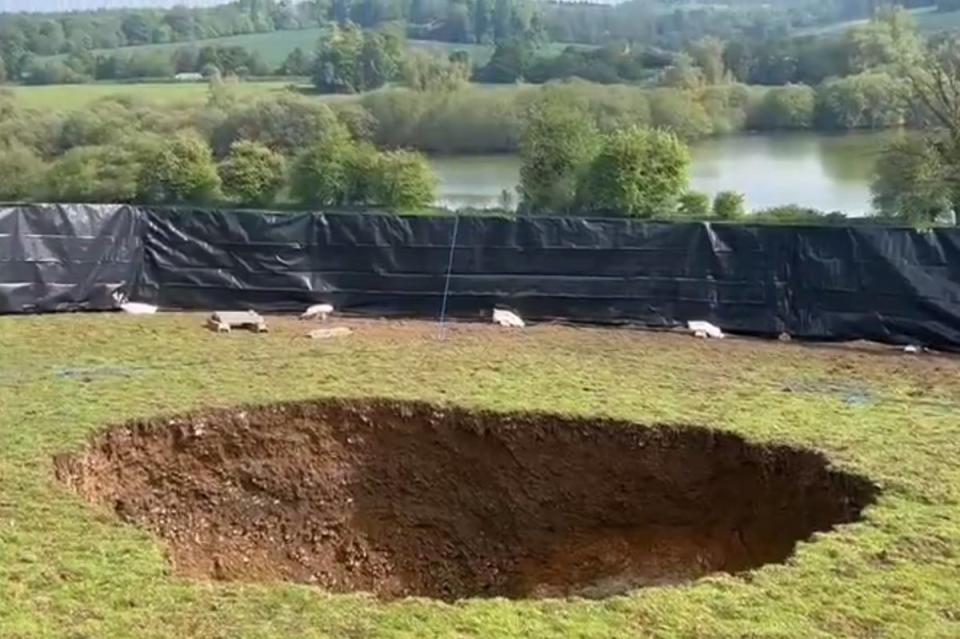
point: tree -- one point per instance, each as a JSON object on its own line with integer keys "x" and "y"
{"x": 510, "y": 62}
{"x": 890, "y": 38}
{"x": 425, "y": 72}
{"x": 101, "y": 174}
{"x": 286, "y": 124}
{"x": 136, "y": 28}
{"x": 101, "y": 123}
{"x": 556, "y": 146}
{"x": 638, "y": 172}
{"x": 789, "y": 107}
{"x": 404, "y": 181}
{"x": 682, "y": 74}
{"x": 728, "y": 205}
{"x": 21, "y": 173}
{"x": 252, "y": 173}
{"x": 178, "y": 170}
{"x": 738, "y": 57}
{"x": 680, "y": 112}
{"x": 319, "y": 176}
{"x": 913, "y": 183}
{"x": 352, "y": 61}
{"x": 707, "y": 54}
{"x": 694, "y": 205}
{"x": 933, "y": 77}
{"x": 868, "y": 100}
{"x": 297, "y": 63}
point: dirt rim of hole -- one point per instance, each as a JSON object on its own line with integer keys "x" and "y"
{"x": 414, "y": 499}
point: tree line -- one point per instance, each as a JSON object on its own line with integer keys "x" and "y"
{"x": 672, "y": 26}
{"x": 293, "y": 151}
{"x": 286, "y": 150}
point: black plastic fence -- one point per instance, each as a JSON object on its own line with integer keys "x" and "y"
{"x": 829, "y": 283}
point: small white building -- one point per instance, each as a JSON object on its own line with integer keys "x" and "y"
{"x": 189, "y": 77}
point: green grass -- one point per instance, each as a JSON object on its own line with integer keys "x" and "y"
{"x": 69, "y": 570}
{"x": 275, "y": 46}
{"x": 74, "y": 96}
{"x": 926, "y": 18}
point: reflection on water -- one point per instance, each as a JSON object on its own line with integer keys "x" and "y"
{"x": 828, "y": 172}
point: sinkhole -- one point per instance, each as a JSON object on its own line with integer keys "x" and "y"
{"x": 406, "y": 498}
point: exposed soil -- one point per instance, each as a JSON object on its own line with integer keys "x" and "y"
{"x": 414, "y": 499}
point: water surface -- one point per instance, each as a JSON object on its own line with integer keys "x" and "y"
{"x": 827, "y": 172}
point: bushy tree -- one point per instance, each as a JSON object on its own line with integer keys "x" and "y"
{"x": 358, "y": 121}
{"x": 557, "y": 144}
{"x": 638, "y": 172}
{"x": 177, "y": 170}
{"x": 683, "y": 74}
{"x": 319, "y": 176}
{"x": 353, "y": 61}
{"x": 694, "y": 205}
{"x": 424, "y": 72}
{"x": 789, "y": 107}
{"x": 680, "y": 112}
{"x": 252, "y": 173}
{"x": 707, "y": 54}
{"x": 728, "y": 205}
{"x": 864, "y": 101}
{"x": 297, "y": 63}
{"x": 53, "y": 72}
{"x": 286, "y": 124}
{"x": 101, "y": 174}
{"x": 21, "y": 173}
{"x": 101, "y": 123}
{"x": 889, "y": 39}
{"x": 913, "y": 183}
{"x": 510, "y": 62}
{"x": 404, "y": 181}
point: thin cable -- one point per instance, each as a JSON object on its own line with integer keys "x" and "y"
{"x": 446, "y": 285}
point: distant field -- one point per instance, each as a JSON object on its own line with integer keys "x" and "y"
{"x": 274, "y": 46}
{"x": 277, "y": 45}
{"x": 928, "y": 20}
{"x": 74, "y": 96}
{"x": 933, "y": 21}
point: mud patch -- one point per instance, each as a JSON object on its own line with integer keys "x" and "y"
{"x": 414, "y": 499}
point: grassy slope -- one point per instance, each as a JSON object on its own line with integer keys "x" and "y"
{"x": 68, "y": 570}
{"x": 928, "y": 20}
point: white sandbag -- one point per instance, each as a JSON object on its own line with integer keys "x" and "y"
{"x": 138, "y": 308}
{"x": 706, "y": 328}
{"x": 323, "y": 311}
{"x": 508, "y": 319}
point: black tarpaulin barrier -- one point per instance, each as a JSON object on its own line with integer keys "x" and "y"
{"x": 824, "y": 283}
{"x": 67, "y": 257}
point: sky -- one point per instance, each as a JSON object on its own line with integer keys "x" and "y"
{"x": 8, "y": 6}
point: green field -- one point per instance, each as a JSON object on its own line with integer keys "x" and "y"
{"x": 275, "y": 46}
{"x": 74, "y": 96}
{"x": 71, "y": 570}
{"x": 928, "y": 20}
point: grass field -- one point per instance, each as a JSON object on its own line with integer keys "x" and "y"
{"x": 928, "y": 20}
{"x": 70, "y": 570}
{"x": 74, "y": 96}
{"x": 277, "y": 45}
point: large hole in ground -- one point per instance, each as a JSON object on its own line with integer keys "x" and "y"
{"x": 416, "y": 499}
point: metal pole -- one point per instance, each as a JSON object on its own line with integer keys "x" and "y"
{"x": 446, "y": 286}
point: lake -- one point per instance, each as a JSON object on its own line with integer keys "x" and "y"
{"x": 826, "y": 172}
